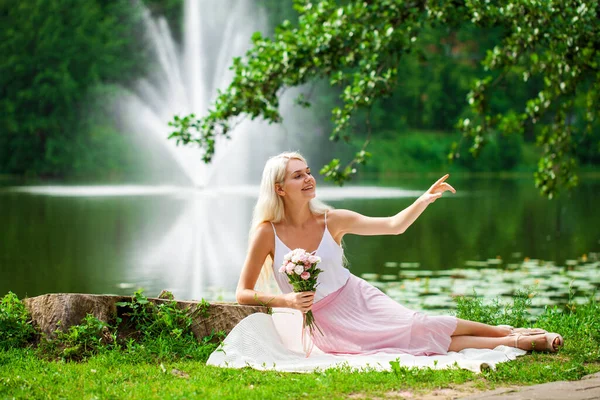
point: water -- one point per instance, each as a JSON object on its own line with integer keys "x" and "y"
{"x": 115, "y": 239}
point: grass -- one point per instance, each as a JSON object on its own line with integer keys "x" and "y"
{"x": 157, "y": 367}
{"x": 117, "y": 375}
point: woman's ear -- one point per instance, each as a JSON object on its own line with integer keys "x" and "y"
{"x": 279, "y": 190}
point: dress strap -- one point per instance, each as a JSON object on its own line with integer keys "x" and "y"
{"x": 274, "y": 231}
{"x": 325, "y": 220}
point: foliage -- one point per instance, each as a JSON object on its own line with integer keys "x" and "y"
{"x": 79, "y": 341}
{"x": 153, "y": 319}
{"x": 422, "y": 151}
{"x": 52, "y": 54}
{"x": 149, "y": 331}
{"x": 163, "y": 330}
{"x": 359, "y": 47}
{"x": 58, "y": 89}
{"x": 15, "y": 325}
{"x": 513, "y": 314}
{"x": 559, "y": 42}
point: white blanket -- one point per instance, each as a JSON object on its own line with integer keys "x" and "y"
{"x": 273, "y": 342}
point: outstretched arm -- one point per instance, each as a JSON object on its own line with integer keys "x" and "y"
{"x": 345, "y": 221}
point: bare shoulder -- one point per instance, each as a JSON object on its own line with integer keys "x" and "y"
{"x": 264, "y": 232}
{"x": 338, "y": 221}
{"x": 340, "y": 215}
{"x": 264, "y": 237}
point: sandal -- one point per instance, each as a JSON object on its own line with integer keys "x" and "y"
{"x": 549, "y": 344}
{"x": 550, "y": 339}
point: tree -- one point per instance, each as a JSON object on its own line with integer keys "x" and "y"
{"x": 358, "y": 45}
{"x": 52, "y": 55}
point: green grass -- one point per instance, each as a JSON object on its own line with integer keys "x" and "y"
{"x": 157, "y": 367}
{"x": 117, "y": 375}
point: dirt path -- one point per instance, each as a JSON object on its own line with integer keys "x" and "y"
{"x": 588, "y": 388}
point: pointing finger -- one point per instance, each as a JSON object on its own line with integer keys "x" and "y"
{"x": 442, "y": 179}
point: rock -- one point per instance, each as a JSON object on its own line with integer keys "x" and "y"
{"x": 222, "y": 316}
{"x": 179, "y": 373}
{"x": 63, "y": 310}
{"x": 165, "y": 294}
{"x": 50, "y": 312}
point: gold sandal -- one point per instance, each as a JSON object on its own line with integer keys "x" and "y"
{"x": 550, "y": 338}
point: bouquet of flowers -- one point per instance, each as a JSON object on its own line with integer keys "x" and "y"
{"x": 301, "y": 269}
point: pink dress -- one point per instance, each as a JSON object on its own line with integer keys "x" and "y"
{"x": 358, "y": 318}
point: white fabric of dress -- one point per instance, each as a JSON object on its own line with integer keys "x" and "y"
{"x": 273, "y": 342}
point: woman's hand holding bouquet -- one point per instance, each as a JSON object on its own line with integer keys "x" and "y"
{"x": 302, "y": 272}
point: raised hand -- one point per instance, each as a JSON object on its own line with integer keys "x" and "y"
{"x": 437, "y": 189}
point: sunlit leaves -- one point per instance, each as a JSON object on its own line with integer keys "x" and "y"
{"x": 358, "y": 46}
{"x": 559, "y": 42}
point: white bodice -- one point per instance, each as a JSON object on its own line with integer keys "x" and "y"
{"x": 334, "y": 274}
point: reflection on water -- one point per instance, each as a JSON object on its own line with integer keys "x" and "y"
{"x": 115, "y": 239}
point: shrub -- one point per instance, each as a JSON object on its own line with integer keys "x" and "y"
{"x": 80, "y": 341}
{"x": 163, "y": 330}
{"x": 496, "y": 313}
{"x": 148, "y": 331}
{"x": 15, "y": 325}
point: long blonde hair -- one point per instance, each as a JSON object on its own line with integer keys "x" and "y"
{"x": 269, "y": 206}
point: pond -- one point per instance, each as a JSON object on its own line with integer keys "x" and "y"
{"x": 495, "y": 236}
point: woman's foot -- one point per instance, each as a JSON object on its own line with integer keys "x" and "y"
{"x": 537, "y": 342}
{"x": 554, "y": 342}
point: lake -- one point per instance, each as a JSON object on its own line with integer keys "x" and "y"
{"x": 495, "y": 236}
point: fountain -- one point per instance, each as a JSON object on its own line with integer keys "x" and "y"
{"x": 186, "y": 80}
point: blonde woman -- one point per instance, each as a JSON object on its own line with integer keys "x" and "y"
{"x": 355, "y": 317}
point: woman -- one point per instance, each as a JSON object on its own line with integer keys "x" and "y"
{"x": 354, "y": 316}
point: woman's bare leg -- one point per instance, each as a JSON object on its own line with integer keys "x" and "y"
{"x": 525, "y": 342}
{"x": 470, "y": 328}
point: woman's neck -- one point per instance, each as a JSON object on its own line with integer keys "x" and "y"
{"x": 298, "y": 216}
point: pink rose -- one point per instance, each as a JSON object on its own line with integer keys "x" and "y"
{"x": 290, "y": 267}
{"x": 314, "y": 259}
{"x": 282, "y": 269}
{"x": 307, "y": 266}
{"x": 305, "y": 275}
